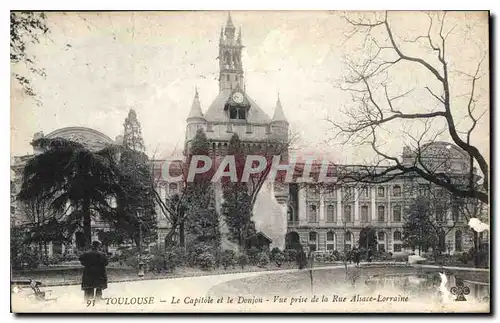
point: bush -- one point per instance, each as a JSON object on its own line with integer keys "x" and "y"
{"x": 279, "y": 258}
{"x": 262, "y": 259}
{"x": 290, "y": 255}
{"x": 206, "y": 260}
{"x": 228, "y": 258}
{"x": 275, "y": 251}
{"x": 243, "y": 260}
{"x": 463, "y": 258}
{"x": 253, "y": 253}
{"x": 194, "y": 252}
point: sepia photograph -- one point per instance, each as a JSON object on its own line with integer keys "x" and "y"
{"x": 232, "y": 161}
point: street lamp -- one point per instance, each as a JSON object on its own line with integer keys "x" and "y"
{"x": 141, "y": 262}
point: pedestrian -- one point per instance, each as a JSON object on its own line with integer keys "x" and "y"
{"x": 369, "y": 255}
{"x": 94, "y": 277}
{"x": 357, "y": 255}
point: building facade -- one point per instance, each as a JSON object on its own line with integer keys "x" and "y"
{"x": 319, "y": 218}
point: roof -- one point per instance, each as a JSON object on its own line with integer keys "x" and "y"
{"x": 195, "y": 108}
{"x": 279, "y": 115}
{"x": 215, "y": 112}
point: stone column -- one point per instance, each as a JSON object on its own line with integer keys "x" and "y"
{"x": 321, "y": 208}
{"x": 373, "y": 206}
{"x": 389, "y": 207}
{"x": 339, "y": 206}
{"x": 356, "y": 206}
{"x": 302, "y": 206}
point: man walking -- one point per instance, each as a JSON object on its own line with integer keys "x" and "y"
{"x": 94, "y": 272}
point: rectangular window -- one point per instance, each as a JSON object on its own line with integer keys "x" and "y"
{"x": 381, "y": 214}
{"x": 381, "y": 247}
{"x": 210, "y": 127}
{"x": 366, "y": 192}
{"x": 380, "y": 191}
{"x": 396, "y": 190}
{"x": 347, "y": 213}
{"x": 330, "y": 214}
{"x": 364, "y": 214}
{"x": 229, "y": 128}
{"x": 249, "y": 128}
{"x": 329, "y": 246}
{"x": 396, "y": 213}
{"x": 397, "y": 247}
{"x": 312, "y": 214}
{"x": 242, "y": 114}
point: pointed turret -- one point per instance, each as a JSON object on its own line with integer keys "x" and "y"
{"x": 196, "y": 108}
{"x": 279, "y": 115}
{"x": 230, "y": 29}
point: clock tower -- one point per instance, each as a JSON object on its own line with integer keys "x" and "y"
{"x": 230, "y": 65}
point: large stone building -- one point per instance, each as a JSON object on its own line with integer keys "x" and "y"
{"x": 319, "y": 219}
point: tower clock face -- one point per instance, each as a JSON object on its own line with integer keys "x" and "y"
{"x": 238, "y": 97}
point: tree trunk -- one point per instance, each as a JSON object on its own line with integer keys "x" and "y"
{"x": 87, "y": 225}
{"x": 476, "y": 248}
{"x": 181, "y": 234}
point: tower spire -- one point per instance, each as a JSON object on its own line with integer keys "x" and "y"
{"x": 230, "y": 29}
{"x": 196, "y": 106}
{"x": 279, "y": 115}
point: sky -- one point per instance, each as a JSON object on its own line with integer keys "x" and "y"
{"x": 100, "y": 65}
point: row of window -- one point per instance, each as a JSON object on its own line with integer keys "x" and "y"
{"x": 397, "y": 236}
{"x": 348, "y": 236}
{"x": 331, "y": 214}
{"x": 348, "y": 192}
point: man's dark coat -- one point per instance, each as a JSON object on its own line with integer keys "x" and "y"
{"x": 94, "y": 271}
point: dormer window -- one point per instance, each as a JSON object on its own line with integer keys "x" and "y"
{"x": 237, "y": 113}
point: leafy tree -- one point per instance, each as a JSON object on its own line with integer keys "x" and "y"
{"x": 68, "y": 174}
{"x": 237, "y": 205}
{"x": 25, "y": 29}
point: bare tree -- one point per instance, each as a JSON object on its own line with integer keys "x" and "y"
{"x": 379, "y": 104}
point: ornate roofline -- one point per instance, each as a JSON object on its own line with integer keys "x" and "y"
{"x": 68, "y": 130}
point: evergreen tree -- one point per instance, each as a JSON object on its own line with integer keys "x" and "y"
{"x": 417, "y": 230}
{"x": 237, "y": 205}
{"x": 138, "y": 220}
{"x": 132, "y": 134}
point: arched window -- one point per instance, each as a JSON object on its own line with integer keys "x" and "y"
{"x": 330, "y": 240}
{"x": 330, "y": 214}
{"x": 313, "y": 213}
{"x": 364, "y": 214}
{"x": 458, "y": 240}
{"x": 397, "y": 235}
{"x": 347, "y": 213}
{"x": 396, "y": 190}
{"x": 381, "y": 213}
{"x": 396, "y": 213}
{"x": 312, "y": 236}
{"x": 381, "y": 191}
